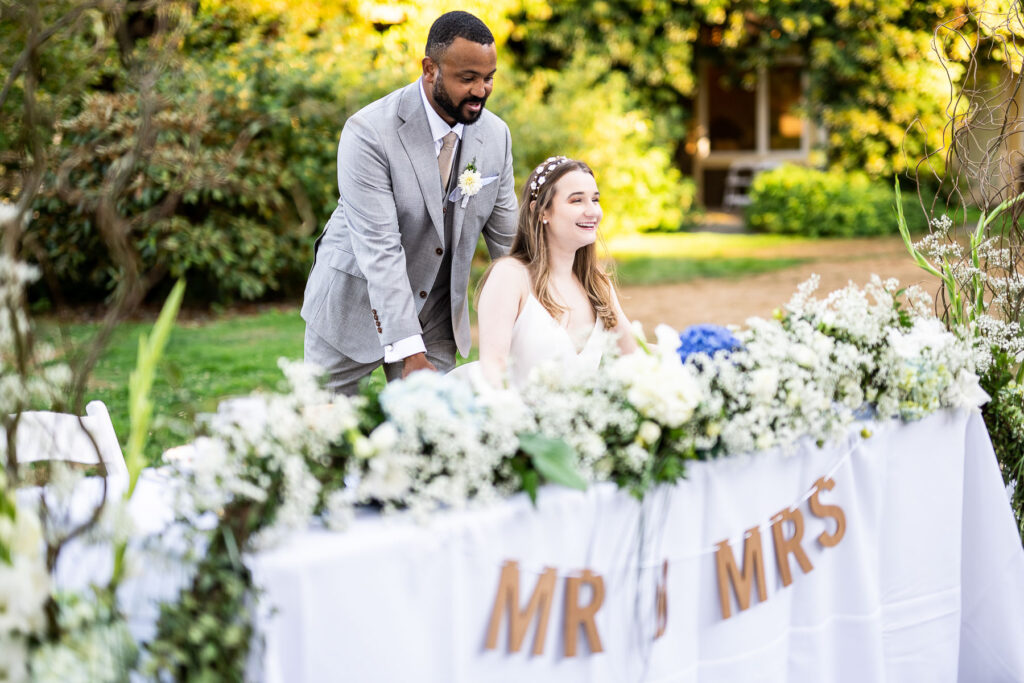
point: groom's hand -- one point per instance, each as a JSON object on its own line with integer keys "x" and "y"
{"x": 417, "y": 361}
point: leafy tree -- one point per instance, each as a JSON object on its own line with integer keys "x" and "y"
{"x": 872, "y": 72}
{"x": 240, "y": 122}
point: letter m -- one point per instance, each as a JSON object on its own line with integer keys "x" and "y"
{"x": 507, "y": 598}
{"x": 729, "y": 575}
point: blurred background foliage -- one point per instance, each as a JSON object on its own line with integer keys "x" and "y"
{"x": 243, "y": 173}
{"x": 795, "y": 200}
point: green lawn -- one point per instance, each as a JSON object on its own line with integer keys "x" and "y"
{"x": 698, "y": 245}
{"x": 236, "y": 354}
{"x": 656, "y": 270}
{"x": 679, "y": 257}
{"x": 231, "y": 356}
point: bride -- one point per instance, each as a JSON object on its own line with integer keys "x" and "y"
{"x": 549, "y": 299}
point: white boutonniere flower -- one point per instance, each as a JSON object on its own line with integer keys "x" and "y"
{"x": 470, "y": 182}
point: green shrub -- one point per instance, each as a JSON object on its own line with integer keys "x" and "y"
{"x": 794, "y": 200}
{"x": 243, "y": 174}
{"x": 1004, "y": 417}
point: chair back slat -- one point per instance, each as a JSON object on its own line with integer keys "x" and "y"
{"x": 88, "y": 440}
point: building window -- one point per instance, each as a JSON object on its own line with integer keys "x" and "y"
{"x": 732, "y": 113}
{"x": 786, "y": 126}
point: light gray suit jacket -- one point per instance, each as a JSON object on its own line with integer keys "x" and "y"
{"x": 382, "y": 246}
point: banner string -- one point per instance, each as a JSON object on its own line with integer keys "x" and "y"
{"x": 672, "y": 559}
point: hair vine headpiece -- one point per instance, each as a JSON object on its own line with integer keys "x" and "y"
{"x": 542, "y": 172}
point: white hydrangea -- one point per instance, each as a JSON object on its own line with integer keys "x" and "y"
{"x": 657, "y": 384}
{"x": 440, "y": 446}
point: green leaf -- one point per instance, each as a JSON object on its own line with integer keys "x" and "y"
{"x": 553, "y": 459}
{"x": 530, "y": 481}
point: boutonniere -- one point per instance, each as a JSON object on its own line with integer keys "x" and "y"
{"x": 470, "y": 183}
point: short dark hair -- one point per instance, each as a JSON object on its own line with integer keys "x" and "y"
{"x": 452, "y": 25}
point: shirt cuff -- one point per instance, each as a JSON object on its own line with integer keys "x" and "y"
{"x": 403, "y": 348}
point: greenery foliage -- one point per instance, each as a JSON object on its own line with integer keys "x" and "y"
{"x": 1004, "y": 417}
{"x": 206, "y": 634}
{"x": 981, "y": 293}
{"x": 871, "y": 69}
{"x": 243, "y": 169}
{"x": 233, "y": 190}
{"x": 585, "y": 115}
{"x": 794, "y": 200}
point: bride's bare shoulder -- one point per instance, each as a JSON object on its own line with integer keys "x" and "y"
{"x": 509, "y": 271}
{"x": 505, "y": 290}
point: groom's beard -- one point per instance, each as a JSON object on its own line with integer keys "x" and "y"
{"x": 455, "y": 111}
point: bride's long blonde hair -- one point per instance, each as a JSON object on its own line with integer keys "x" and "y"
{"x": 530, "y": 246}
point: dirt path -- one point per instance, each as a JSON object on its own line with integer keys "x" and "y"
{"x": 725, "y": 301}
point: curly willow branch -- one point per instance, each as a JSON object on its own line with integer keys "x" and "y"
{"x": 980, "y": 162}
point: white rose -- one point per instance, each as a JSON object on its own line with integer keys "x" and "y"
{"x": 25, "y": 588}
{"x": 388, "y": 478}
{"x": 668, "y": 340}
{"x": 363, "y": 448}
{"x": 637, "y": 328}
{"x": 649, "y": 432}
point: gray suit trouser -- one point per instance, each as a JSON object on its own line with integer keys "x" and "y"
{"x": 344, "y": 374}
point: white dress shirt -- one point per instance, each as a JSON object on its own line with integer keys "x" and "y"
{"x": 403, "y": 348}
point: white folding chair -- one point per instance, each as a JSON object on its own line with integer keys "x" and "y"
{"x": 44, "y": 435}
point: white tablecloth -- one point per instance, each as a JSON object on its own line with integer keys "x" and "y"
{"x": 926, "y": 585}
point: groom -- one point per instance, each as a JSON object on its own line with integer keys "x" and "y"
{"x": 391, "y": 268}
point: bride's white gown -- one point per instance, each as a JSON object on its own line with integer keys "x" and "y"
{"x": 537, "y": 338}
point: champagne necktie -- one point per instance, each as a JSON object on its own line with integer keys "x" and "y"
{"x": 444, "y": 159}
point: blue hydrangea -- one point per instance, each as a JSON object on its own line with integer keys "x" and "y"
{"x": 705, "y": 339}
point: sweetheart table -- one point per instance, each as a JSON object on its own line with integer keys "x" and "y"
{"x": 887, "y": 558}
{"x": 925, "y": 582}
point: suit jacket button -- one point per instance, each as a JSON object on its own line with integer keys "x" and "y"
{"x": 444, "y": 210}
{"x": 423, "y": 295}
{"x": 439, "y": 251}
